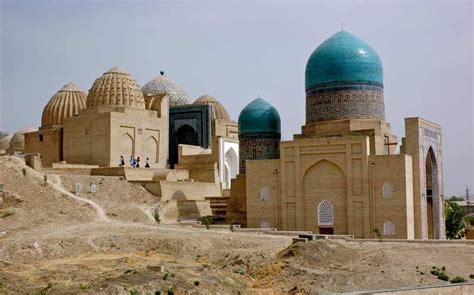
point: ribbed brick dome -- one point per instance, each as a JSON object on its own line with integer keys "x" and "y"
{"x": 65, "y": 103}
{"x": 116, "y": 88}
{"x": 218, "y": 110}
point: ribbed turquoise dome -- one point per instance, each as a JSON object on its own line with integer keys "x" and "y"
{"x": 259, "y": 117}
{"x": 343, "y": 58}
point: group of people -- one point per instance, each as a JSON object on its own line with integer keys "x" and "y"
{"x": 134, "y": 162}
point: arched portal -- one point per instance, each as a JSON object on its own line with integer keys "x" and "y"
{"x": 325, "y": 183}
{"x": 231, "y": 167}
{"x": 187, "y": 135}
{"x": 431, "y": 181}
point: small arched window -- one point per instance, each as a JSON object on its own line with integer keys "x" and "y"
{"x": 325, "y": 213}
{"x": 265, "y": 193}
{"x": 388, "y": 228}
{"x": 265, "y": 224}
{"x": 387, "y": 190}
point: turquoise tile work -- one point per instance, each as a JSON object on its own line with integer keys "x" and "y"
{"x": 259, "y": 117}
{"x": 343, "y": 58}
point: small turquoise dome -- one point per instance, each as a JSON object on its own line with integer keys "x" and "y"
{"x": 259, "y": 117}
{"x": 343, "y": 58}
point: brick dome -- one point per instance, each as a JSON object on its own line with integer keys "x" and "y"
{"x": 67, "y": 102}
{"x": 116, "y": 88}
{"x": 17, "y": 142}
{"x": 164, "y": 85}
{"x": 218, "y": 110}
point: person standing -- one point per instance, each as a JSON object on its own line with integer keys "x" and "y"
{"x": 122, "y": 161}
{"x": 131, "y": 161}
{"x": 147, "y": 165}
{"x": 138, "y": 162}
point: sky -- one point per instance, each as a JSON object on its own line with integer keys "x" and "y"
{"x": 240, "y": 50}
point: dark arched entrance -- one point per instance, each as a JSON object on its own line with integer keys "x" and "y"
{"x": 431, "y": 172}
{"x": 187, "y": 135}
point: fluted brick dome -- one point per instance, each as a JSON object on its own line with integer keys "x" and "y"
{"x": 218, "y": 110}
{"x": 116, "y": 87}
{"x": 164, "y": 85}
{"x": 67, "y": 102}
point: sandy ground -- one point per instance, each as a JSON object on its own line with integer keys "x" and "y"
{"x": 56, "y": 242}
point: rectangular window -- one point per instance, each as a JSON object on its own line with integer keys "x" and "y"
{"x": 41, "y": 137}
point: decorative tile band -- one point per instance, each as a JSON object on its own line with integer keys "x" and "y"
{"x": 345, "y": 85}
{"x": 258, "y": 149}
{"x": 344, "y": 104}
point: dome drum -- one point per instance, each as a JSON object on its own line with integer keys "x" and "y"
{"x": 343, "y": 104}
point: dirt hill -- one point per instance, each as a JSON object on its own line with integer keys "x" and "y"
{"x": 55, "y": 242}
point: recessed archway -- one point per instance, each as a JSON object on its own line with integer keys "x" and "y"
{"x": 325, "y": 183}
{"x": 187, "y": 135}
{"x": 431, "y": 191}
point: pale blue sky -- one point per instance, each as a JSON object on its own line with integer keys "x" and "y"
{"x": 237, "y": 51}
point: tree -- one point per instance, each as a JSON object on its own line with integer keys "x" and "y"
{"x": 455, "y": 222}
{"x": 455, "y": 198}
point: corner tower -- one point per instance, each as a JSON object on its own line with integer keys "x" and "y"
{"x": 344, "y": 80}
{"x": 259, "y": 132}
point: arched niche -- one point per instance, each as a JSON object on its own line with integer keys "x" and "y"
{"x": 322, "y": 181}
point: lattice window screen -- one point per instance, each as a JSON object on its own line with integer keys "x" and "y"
{"x": 325, "y": 213}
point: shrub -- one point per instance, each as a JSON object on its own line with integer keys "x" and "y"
{"x": 170, "y": 291}
{"x": 443, "y": 276}
{"x": 44, "y": 291}
{"x": 157, "y": 216}
{"x": 167, "y": 274}
{"x": 45, "y": 178}
{"x": 23, "y": 171}
{"x": 471, "y": 276}
{"x": 378, "y": 234}
{"x": 8, "y": 213}
{"x": 206, "y": 220}
{"x": 457, "y": 280}
{"x": 196, "y": 283}
{"x": 85, "y": 286}
{"x": 133, "y": 292}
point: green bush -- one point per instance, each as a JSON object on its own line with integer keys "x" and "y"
{"x": 8, "y": 213}
{"x": 443, "y": 276}
{"x": 457, "y": 280}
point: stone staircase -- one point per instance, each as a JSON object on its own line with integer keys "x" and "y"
{"x": 218, "y": 208}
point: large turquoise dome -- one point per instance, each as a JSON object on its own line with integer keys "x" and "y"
{"x": 259, "y": 117}
{"x": 343, "y": 58}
